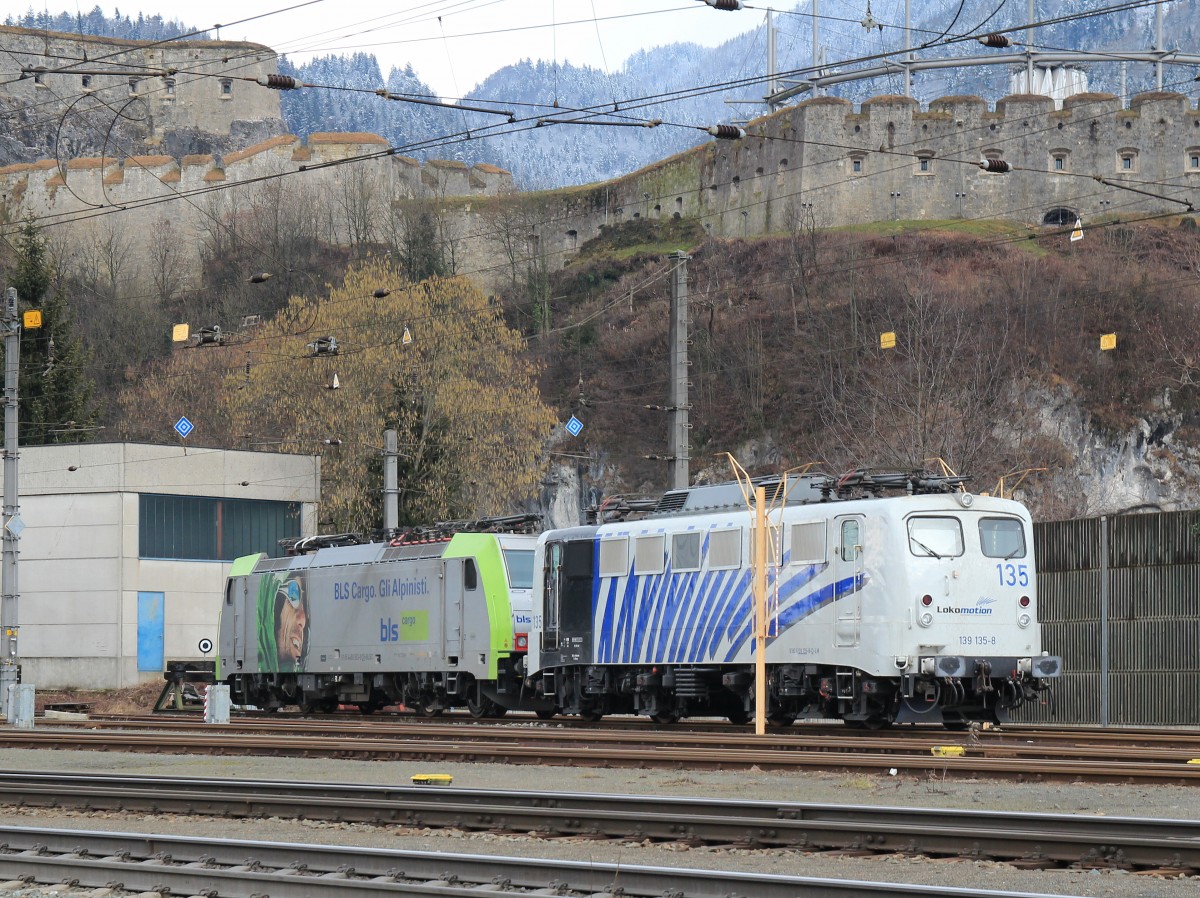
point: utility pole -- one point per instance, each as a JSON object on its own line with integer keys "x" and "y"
{"x": 391, "y": 482}
{"x": 10, "y": 668}
{"x": 679, "y": 442}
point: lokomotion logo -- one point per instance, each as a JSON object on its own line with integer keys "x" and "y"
{"x": 981, "y": 608}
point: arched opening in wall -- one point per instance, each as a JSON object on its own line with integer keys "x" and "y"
{"x": 572, "y": 239}
{"x": 1060, "y": 216}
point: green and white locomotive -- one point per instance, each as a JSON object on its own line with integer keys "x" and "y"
{"x": 432, "y": 621}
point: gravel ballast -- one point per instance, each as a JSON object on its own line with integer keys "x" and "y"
{"x": 938, "y": 791}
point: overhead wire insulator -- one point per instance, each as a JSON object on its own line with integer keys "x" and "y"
{"x": 259, "y": 277}
{"x": 726, "y": 132}
{"x": 997, "y": 166}
{"x": 995, "y": 40}
{"x": 280, "y": 82}
{"x": 726, "y": 5}
{"x": 210, "y": 336}
{"x": 323, "y": 346}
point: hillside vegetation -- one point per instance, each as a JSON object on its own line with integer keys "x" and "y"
{"x": 787, "y": 369}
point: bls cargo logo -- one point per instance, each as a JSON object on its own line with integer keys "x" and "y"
{"x": 411, "y": 627}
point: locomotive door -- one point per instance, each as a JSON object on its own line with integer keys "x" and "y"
{"x": 452, "y": 608}
{"x": 551, "y": 597}
{"x": 847, "y": 576}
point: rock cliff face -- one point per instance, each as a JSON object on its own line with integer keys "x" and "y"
{"x": 1149, "y": 467}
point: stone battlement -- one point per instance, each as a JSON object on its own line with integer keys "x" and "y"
{"x": 45, "y": 188}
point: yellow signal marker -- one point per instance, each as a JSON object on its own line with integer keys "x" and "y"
{"x": 1077, "y": 233}
{"x": 407, "y": 338}
{"x": 32, "y": 319}
{"x": 1108, "y": 341}
{"x": 432, "y": 779}
{"x": 947, "y": 751}
{"x": 887, "y": 340}
{"x": 180, "y": 333}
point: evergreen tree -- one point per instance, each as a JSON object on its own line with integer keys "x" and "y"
{"x": 55, "y": 404}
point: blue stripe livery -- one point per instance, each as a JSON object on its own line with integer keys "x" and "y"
{"x": 698, "y": 617}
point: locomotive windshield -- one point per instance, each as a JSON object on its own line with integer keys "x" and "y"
{"x": 520, "y": 568}
{"x": 931, "y": 537}
{"x": 1002, "y": 537}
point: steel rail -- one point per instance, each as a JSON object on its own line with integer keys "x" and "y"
{"x": 528, "y": 747}
{"x": 818, "y": 737}
{"x": 1052, "y": 839}
{"x": 242, "y": 869}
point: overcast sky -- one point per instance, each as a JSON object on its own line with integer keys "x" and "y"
{"x": 452, "y": 44}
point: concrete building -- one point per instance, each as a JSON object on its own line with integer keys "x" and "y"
{"x": 126, "y": 548}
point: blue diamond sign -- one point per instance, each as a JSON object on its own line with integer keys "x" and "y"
{"x": 183, "y": 426}
{"x": 574, "y": 426}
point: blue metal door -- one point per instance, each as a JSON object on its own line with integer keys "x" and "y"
{"x": 150, "y": 631}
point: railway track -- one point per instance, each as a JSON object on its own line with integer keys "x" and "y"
{"x": 1028, "y": 840}
{"x": 243, "y": 869}
{"x": 992, "y": 754}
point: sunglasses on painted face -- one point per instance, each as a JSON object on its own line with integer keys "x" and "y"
{"x": 293, "y": 594}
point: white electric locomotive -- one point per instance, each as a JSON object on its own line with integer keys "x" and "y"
{"x": 920, "y": 606}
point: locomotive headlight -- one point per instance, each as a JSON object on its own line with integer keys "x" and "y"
{"x": 1024, "y": 620}
{"x": 926, "y": 619}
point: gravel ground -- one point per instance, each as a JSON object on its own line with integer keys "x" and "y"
{"x": 857, "y": 788}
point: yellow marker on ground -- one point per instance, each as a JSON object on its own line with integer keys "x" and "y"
{"x": 432, "y": 779}
{"x": 1194, "y": 761}
{"x": 948, "y": 751}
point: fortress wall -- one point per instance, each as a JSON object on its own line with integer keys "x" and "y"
{"x": 822, "y": 160}
{"x": 186, "y": 84}
{"x": 50, "y": 191}
{"x": 890, "y": 160}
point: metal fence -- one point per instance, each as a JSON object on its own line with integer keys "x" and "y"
{"x": 1119, "y": 600}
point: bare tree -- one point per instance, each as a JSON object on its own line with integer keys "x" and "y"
{"x": 358, "y": 199}
{"x": 167, "y": 261}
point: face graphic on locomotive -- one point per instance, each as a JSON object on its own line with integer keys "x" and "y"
{"x": 291, "y": 631}
{"x": 282, "y": 624}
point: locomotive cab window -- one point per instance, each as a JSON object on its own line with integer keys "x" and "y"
{"x": 614, "y": 557}
{"x": 851, "y": 540}
{"x": 935, "y": 537}
{"x": 1002, "y": 537}
{"x": 685, "y": 551}
{"x": 470, "y": 575}
{"x": 519, "y": 563}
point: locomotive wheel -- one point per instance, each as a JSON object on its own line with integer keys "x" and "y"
{"x": 665, "y": 718}
{"x": 739, "y": 717}
{"x": 545, "y": 715}
{"x": 781, "y": 719}
{"x": 427, "y": 710}
{"x": 591, "y": 714}
{"x": 478, "y": 707}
